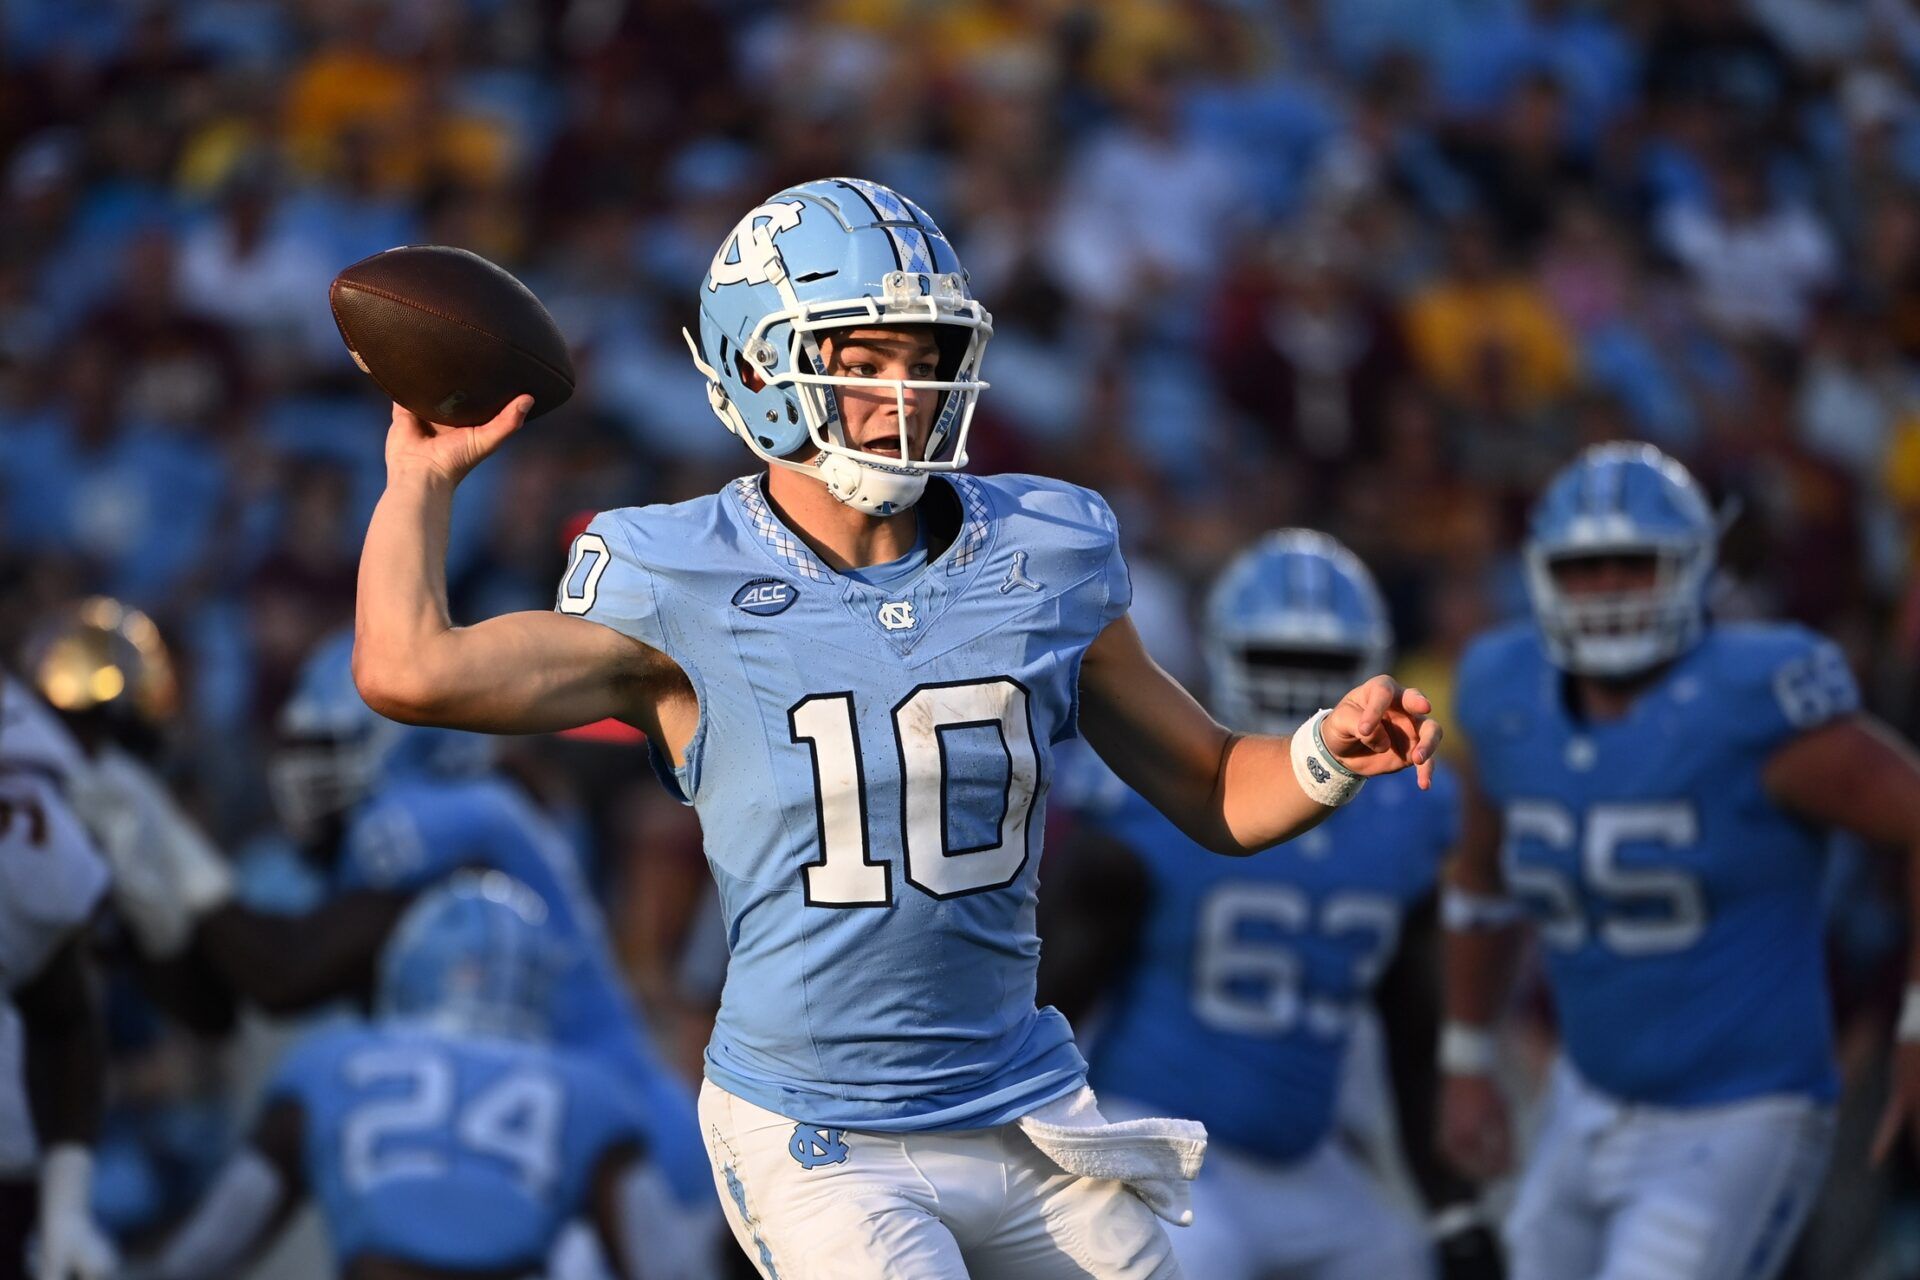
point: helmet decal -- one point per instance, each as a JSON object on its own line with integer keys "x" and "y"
{"x": 735, "y": 263}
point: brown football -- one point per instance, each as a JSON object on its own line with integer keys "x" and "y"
{"x": 449, "y": 335}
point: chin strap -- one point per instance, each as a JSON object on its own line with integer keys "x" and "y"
{"x": 872, "y": 490}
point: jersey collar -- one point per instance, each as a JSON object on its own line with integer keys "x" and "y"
{"x": 790, "y": 550}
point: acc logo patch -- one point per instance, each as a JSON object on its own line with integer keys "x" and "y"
{"x": 766, "y": 596}
{"x": 812, "y": 1147}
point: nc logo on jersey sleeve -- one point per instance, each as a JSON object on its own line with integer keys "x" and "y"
{"x": 812, "y": 1147}
{"x": 766, "y": 596}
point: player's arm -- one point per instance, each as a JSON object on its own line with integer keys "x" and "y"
{"x": 1480, "y": 957}
{"x": 1857, "y": 774}
{"x": 1408, "y": 998}
{"x": 1234, "y": 793}
{"x": 65, "y": 1048}
{"x": 250, "y": 1200}
{"x": 1093, "y": 906}
{"x": 623, "y": 1226}
{"x": 286, "y": 963}
{"x": 65, "y": 1052}
{"x": 531, "y": 672}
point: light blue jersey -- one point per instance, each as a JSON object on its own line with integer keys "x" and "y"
{"x": 1250, "y": 971}
{"x": 421, "y": 830}
{"x": 870, "y": 770}
{"x": 453, "y": 1152}
{"x": 1679, "y": 907}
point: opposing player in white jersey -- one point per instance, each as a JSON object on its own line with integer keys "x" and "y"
{"x": 1652, "y": 791}
{"x": 855, "y": 664}
{"x": 1238, "y": 992}
{"x": 52, "y": 1057}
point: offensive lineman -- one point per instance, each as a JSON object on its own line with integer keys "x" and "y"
{"x": 1651, "y": 790}
{"x": 857, "y": 672}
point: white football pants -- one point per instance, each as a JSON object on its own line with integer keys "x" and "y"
{"x": 1616, "y": 1191}
{"x": 1322, "y": 1217}
{"x": 808, "y": 1204}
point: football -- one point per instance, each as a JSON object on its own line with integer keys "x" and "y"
{"x": 449, "y": 335}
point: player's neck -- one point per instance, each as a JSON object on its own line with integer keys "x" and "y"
{"x": 842, "y": 537}
{"x": 1600, "y": 700}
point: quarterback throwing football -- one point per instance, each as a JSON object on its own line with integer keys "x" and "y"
{"x": 856, "y": 665}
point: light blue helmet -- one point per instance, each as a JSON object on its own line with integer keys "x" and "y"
{"x": 474, "y": 955}
{"x": 821, "y": 256}
{"x": 1627, "y": 499}
{"x": 334, "y": 750}
{"x": 1293, "y": 623}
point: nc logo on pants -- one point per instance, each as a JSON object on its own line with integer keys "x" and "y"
{"x": 812, "y": 1147}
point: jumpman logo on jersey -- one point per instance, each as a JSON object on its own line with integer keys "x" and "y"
{"x": 813, "y": 1147}
{"x": 897, "y": 615}
{"x": 1017, "y": 576}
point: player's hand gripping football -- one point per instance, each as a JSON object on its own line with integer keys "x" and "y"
{"x": 1383, "y": 728}
{"x": 448, "y": 453}
{"x": 1902, "y": 1112}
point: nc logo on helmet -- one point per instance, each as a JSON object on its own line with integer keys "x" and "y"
{"x": 738, "y": 262}
{"x": 766, "y": 597}
{"x": 812, "y": 1147}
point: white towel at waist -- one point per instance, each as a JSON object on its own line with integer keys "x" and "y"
{"x": 1156, "y": 1158}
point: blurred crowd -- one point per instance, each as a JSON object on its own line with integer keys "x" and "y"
{"x": 1375, "y": 266}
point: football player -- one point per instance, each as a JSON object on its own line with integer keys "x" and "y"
{"x": 1233, "y": 989}
{"x": 1651, "y": 791}
{"x": 855, "y": 664}
{"x": 390, "y": 811}
{"x": 52, "y": 1052}
{"x": 449, "y": 1138}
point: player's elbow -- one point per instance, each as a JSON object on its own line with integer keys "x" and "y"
{"x": 396, "y": 689}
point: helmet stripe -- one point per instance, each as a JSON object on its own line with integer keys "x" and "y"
{"x": 910, "y": 246}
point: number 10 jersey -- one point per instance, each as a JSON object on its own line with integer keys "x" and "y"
{"x": 870, "y": 769}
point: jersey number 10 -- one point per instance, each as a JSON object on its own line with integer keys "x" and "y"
{"x": 845, "y": 874}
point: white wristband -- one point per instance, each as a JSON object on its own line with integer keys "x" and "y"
{"x": 1467, "y": 1050}
{"x": 1325, "y": 780}
{"x": 1907, "y": 1030}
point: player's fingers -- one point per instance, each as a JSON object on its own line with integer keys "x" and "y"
{"x": 1427, "y": 741}
{"x": 1414, "y": 702}
{"x": 1359, "y": 714}
{"x": 405, "y": 420}
{"x": 489, "y": 436}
